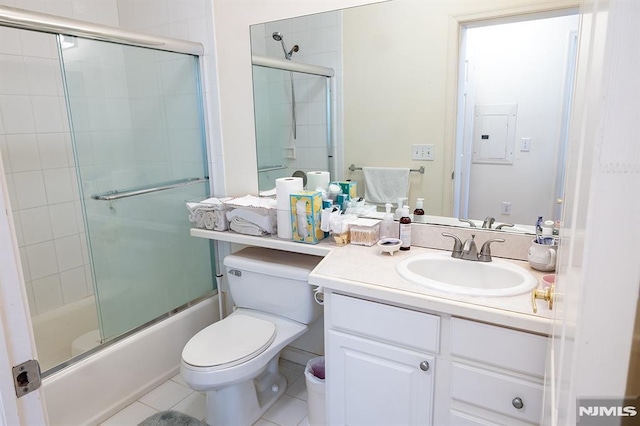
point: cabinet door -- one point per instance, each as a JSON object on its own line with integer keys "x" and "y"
{"x": 371, "y": 383}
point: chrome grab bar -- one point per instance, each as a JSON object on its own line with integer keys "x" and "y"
{"x": 116, "y": 195}
{"x": 271, "y": 168}
{"x": 353, "y": 168}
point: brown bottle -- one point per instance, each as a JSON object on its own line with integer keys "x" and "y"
{"x": 405, "y": 229}
{"x": 418, "y": 213}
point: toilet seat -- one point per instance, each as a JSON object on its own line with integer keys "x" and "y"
{"x": 229, "y": 342}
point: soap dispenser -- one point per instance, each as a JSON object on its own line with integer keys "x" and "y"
{"x": 388, "y": 228}
{"x": 405, "y": 229}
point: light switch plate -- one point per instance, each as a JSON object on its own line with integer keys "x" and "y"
{"x": 422, "y": 152}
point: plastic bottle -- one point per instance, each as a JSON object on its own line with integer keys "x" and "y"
{"x": 399, "y": 209}
{"x": 418, "y": 213}
{"x": 388, "y": 229}
{"x": 405, "y": 229}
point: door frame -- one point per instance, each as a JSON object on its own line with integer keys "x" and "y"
{"x": 15, "y": 324}
{"x": 465, "y": 97}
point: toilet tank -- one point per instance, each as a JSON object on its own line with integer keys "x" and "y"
{"x": 273, "y": 281}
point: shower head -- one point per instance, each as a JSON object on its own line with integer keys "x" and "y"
{"x": 278, "y": 37}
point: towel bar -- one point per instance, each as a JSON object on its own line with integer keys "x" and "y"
{"x": 420, "y": 170}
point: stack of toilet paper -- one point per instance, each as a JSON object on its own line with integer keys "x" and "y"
{"x": 209, "y": 214}
{"x": 318, "y": 181}
{"x": 285, "y": 187}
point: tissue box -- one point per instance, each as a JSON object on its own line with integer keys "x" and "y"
{"x": 306, "y": 207}
{"x": 349, "y": 188}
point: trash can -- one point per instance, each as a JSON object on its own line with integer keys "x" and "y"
{"x": 314, "y": 377}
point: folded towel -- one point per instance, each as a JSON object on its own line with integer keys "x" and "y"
{"x": 252, "y": 201}
{"x": 209, "y": 214}
{"x": 385, "y": 184}
{"x": 242, "y": 226}
{"x": 263, "y": 219}
{"x": 209, "y": 219}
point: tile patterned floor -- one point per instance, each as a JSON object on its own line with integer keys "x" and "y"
{"x": 175, "y": 394}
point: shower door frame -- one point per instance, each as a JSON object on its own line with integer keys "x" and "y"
{"x": 15, "y": 321}
{"x": 320, "y": 71}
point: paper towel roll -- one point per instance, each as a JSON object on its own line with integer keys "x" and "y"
{"x": 284, "y": 188}
{"x": 317, "y": 180}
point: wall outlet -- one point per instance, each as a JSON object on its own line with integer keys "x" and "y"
{"x": 422, "y": 152}
{"x": 525, "y": 144}
{"x": 506, "y": 207}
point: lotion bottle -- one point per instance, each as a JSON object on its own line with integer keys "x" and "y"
{"x": 418, "y": 213}
{"x": 388, "y": 228}
{"x": 405, "y": 229}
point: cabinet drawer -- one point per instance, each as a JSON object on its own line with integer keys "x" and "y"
{"x": 503, "y": 347}
{"x": 405, "y": 327}
{"x": 496, "y": 392}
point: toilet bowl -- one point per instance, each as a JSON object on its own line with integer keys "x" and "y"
{"x": 235, "y": 360}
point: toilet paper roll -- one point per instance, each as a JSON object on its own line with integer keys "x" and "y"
{"x": 283, "y": 219}
{"x": 318, "y": 179}
{"x": 285, "y": 187}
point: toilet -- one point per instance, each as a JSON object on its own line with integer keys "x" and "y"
{"x": 235, "y": 360}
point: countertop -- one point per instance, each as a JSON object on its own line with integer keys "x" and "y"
{"x": 364, "y": 272}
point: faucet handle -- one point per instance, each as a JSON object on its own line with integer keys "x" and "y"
{"x": 485, "y": 251}
{"x": 470, "y": 222}
{"x": 504, "y": 225}
{"x": 457, "y": 245}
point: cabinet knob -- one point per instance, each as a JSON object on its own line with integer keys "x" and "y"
{"x": 517, "y": 402}
{"x": 424, "y": 366}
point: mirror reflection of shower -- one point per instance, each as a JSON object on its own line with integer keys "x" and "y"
{"x": 277, "y": 36}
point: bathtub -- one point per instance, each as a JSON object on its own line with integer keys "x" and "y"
{"x": 98, "y": 386}
{"x": 56, "y": 330}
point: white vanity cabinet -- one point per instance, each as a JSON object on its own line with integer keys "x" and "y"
{"x": 496, "y": 375}
{"x": 388, "y": 365}
{"x": 380, "y": 366}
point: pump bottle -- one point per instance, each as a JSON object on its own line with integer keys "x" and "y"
{"x": 405, "y": 229}
{"x": 388, "y": 228}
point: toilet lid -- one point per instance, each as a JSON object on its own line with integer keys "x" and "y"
{"x": 231, "y": 341}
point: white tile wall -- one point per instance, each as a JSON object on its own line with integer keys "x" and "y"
{"x": 319, "y": 38}
{"x": 35, "y": 144}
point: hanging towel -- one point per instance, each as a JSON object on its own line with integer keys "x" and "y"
{"x": 385, "y": 184}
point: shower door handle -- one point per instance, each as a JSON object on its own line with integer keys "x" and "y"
{"x": 118, "y": 194}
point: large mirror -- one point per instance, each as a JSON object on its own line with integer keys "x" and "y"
{"x": 490, "y": 98}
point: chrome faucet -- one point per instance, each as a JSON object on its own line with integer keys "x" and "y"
{"x": 488, "y": 221}
{"x": 470, "y": 222}
{"x": 504, "y": 225}
{"x": 469, "y": 250}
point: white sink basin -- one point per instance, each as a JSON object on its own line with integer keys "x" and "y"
{"x": 442, "y": 272}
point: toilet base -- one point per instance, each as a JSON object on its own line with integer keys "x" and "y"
{"x": 242, "y": 404}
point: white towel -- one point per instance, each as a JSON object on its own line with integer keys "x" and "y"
{"x": 264, "y": 221}
{"x": 242, "y": 226}
{"x": 385, "y": 184}
{"x": 209, "y": 214}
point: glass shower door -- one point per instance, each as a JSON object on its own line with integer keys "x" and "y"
{"x": 138, "y": 137}
{"x": 292, "y": 124}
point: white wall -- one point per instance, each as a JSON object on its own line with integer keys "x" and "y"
{"x": 521, "y": 63}
{"x": 400, "y": 67}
